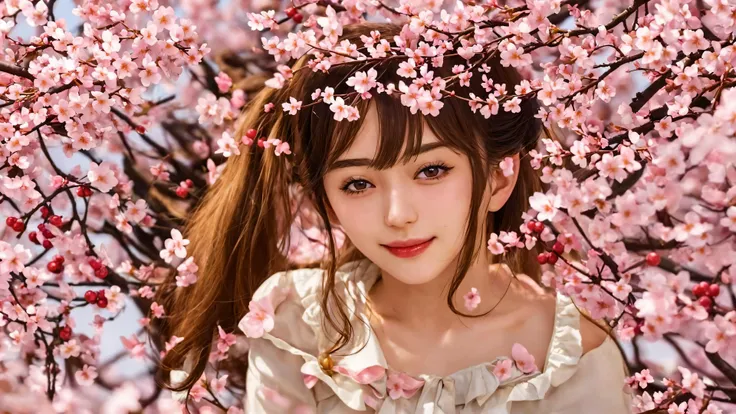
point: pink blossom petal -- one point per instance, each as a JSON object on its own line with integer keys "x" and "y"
{"x": 402, "y": 385}
{"x": 275, "y": 397}
{"x": 370, "y": 374}
{"x": 502, "y": 370}
{"x": 523, "y": 359}
{"x": 309, "y": 380}
{"x": 472, "y": 299}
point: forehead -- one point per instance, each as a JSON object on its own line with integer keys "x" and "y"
{"x": 368, "y": 141}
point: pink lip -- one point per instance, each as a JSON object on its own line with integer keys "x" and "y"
{"x": 408, "y": 248}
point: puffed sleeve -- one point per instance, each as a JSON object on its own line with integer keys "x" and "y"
{"x": 274, "y": 382}
{"x": 597, "y": 386}
{"x": 278, "y": 352}
{"x": 599, "y": 383}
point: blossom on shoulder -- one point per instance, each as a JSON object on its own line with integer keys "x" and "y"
{"x": 260, "y": 318}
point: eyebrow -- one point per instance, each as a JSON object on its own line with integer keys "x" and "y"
{"x": 361, "y": 162}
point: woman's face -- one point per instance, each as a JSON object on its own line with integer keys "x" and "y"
{"x": 426, "y": 198}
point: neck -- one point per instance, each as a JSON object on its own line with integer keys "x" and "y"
{"x": 413, "y": 305}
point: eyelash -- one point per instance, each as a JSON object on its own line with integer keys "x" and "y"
{"x": 440, "y": 165}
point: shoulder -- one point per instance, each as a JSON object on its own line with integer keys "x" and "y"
{"x": 286, "y": 306}
{"x": 295, "y": 285}
{"x": 593, "y": 333}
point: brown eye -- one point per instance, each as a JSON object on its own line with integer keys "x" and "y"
{"x": 432, "y": 171}
{"x": 358, "y": 186}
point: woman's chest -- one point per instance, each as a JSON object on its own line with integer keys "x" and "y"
{"x": 443, "y": 353}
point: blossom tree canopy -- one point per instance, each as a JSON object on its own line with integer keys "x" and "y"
{"x": 113, "y": 128}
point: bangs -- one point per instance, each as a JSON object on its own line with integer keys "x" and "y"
{"x": 398, "y": 129}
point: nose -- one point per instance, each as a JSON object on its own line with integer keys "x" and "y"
{"x": 400, "y": 211}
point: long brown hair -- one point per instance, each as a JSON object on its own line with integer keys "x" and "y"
{"x": 239, "y": 232}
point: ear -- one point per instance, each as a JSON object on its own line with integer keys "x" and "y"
{"x": 501, "y": 185}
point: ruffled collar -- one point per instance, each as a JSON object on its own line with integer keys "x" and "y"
{"x": 372, "y": 380}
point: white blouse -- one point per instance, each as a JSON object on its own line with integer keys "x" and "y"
{"x": 284, "y": 374}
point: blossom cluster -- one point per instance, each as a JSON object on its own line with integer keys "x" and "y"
{"x": 101, "y": 165}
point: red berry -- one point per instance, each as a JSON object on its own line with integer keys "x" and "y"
{"x": 552, "y": 259}
{"x": 18, "y": 226}
{"x": 100, "y": 294}
{"x": 251, "y": 133}
{"x": 260, "y": 143}
{"x": 558, "y": 247}
{"x": 33, "y": 236}
{"x": 95, "y": 263}
{"x": 101, "y": 272}
{"x": 47, "y": 244}
{"x": 102, "y": 302}
{"x": 140, "y": 129}
{"x": 698, "y": 291}
{"x": 59, "y": 258}
{"x": 54, "y": 267}
{"x": 55, "y": 220}
{"x": 705, "y": 302}
{"x": 47, "y": 234}
{"x": 542, "y": 258}
{"x": 538, "y": 226}
{"x": 84, "y": 191}
{"x": 182, "y": 192}
{"x": 713, "y": 290}
{"x": 65, "y": 333}
{"x": 90, "y": 296}
{"x": 189, "y": 182}
{"x": 291, "y": 11}
{"x": 45, "y": 211}
{"x": 297, "y": 18}
{"x": 653, "y": 259}
{"x": 10, "y": 221}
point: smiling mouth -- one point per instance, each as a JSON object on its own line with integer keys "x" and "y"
{"x": 409, "y": 251}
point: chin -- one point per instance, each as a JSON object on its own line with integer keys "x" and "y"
{"x": 416, "y": 271}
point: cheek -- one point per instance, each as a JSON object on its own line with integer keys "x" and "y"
{"x": 353, "y": 213}
{"x": 451, "y": 199}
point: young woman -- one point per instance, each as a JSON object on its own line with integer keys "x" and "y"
{"x": 411, "y": 313}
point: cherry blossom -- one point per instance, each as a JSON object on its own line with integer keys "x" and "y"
{"x": 259, "y": 319}
{"x": 472, "y": 299}
{"x": 102, "y": 176}
{"x": 116, "y": 125}
{"x": 401, "y": 385}
{"x": 503, "y": 369}
{"x": 175, "y": 246}
{"x": 507, "y": 166}
{"x": 523, "y": 359}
